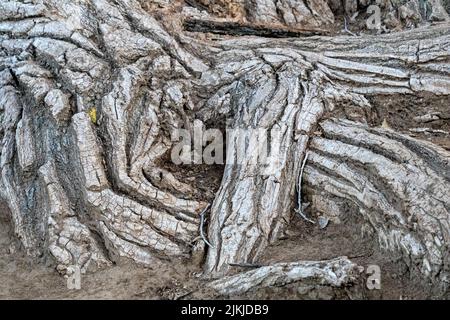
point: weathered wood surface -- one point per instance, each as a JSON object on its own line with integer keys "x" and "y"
{"x": 90, "y": 91}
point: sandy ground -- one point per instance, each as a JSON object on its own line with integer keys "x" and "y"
{"x": 24, "y": 278}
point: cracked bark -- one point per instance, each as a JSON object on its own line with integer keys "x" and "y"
{"x": 90, "y": 91}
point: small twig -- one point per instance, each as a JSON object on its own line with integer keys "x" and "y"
{"x": 202, "y": 222}
{"x": 429, "y": 117}
{"x": 192, "y": 243}
{"x": 299, "y": 210}
{"x": 246, "y": 265}
{"x": 346, "y": 28}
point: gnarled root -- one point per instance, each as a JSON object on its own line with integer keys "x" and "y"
{"x": 337, "y": 273}
{"x": 400, "y": 185}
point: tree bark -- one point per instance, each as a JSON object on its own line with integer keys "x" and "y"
{"x": 336, "y": 273}
{"x": 91, "y": 91}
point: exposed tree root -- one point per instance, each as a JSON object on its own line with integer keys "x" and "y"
{"x": 338, "y": 273}
{"x": 91, "y": 92}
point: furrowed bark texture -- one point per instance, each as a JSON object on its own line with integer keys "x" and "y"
{"x": 336, "y": 273}
{"x": 313, "y": 77}
{"x": 91, "y": 91}
{"x": 394, "y": 15}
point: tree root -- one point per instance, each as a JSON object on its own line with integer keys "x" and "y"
{"x": 339, "y": 272}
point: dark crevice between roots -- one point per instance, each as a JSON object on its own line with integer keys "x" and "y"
{"x": 241, "y": 29}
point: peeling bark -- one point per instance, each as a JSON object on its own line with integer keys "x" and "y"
{"x": 91, "y": 91}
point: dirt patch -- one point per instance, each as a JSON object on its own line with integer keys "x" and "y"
{"x": 24, "y": 278}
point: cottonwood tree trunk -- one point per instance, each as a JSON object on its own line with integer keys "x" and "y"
{"x": 90, "y": 92}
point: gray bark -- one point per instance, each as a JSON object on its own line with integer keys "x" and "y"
{"x": 90, "y": 91}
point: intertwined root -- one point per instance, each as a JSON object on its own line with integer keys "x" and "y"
{"x": 398, "y": 184}
{"x": 91, "y": 91}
